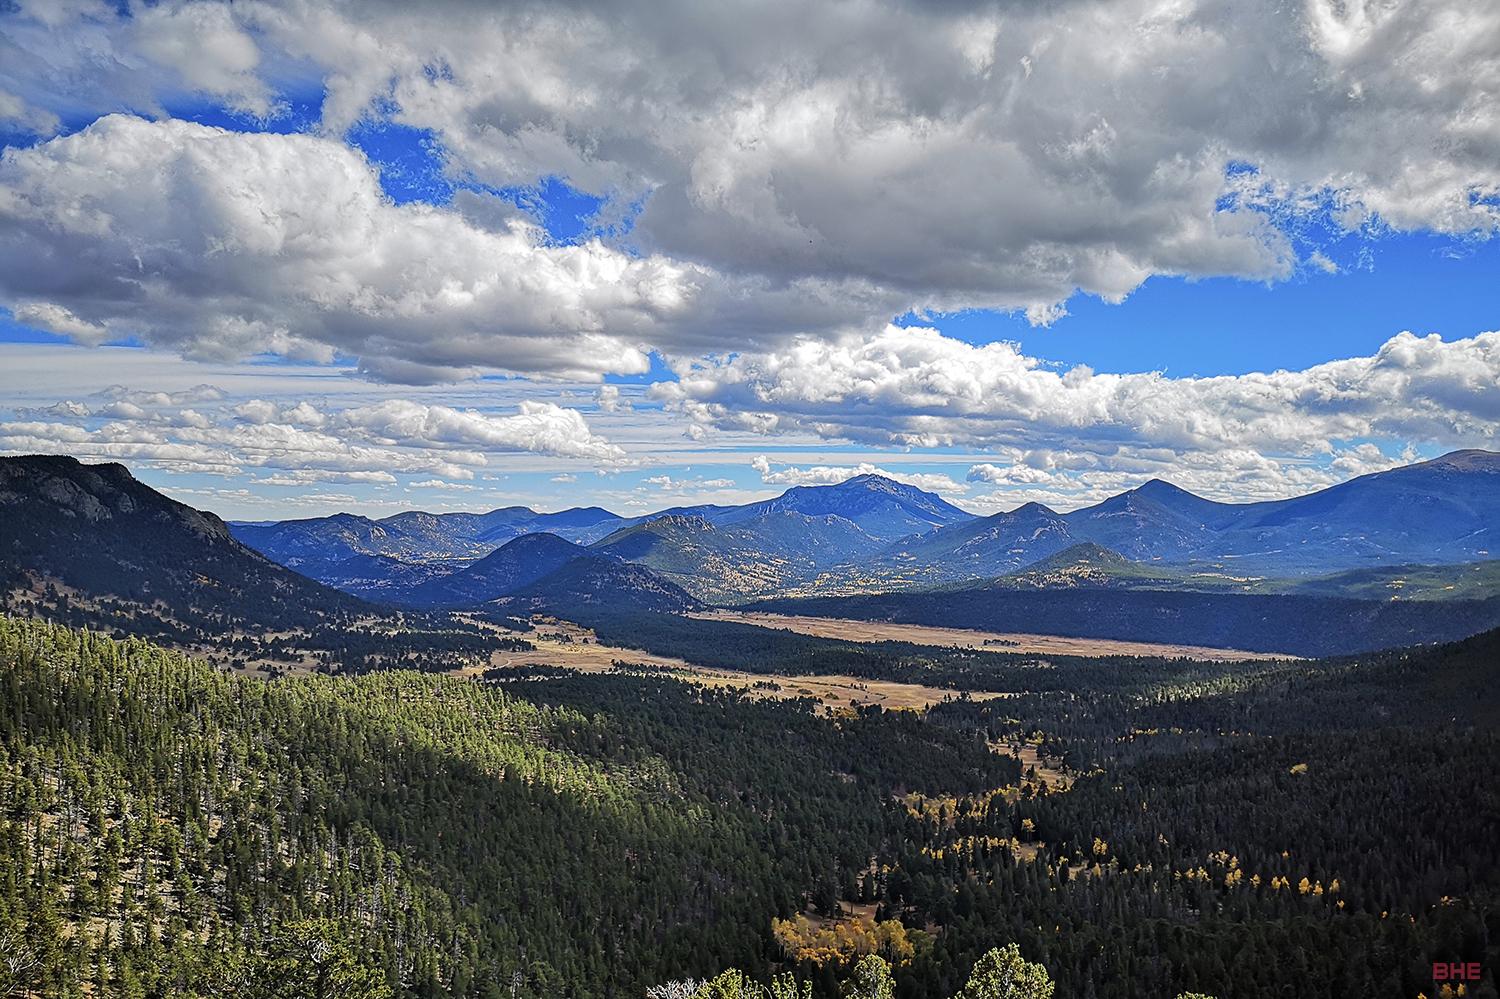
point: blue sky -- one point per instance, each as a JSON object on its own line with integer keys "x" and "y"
{"x": 470, "y": 266}
{"x": 1218, "y": 326}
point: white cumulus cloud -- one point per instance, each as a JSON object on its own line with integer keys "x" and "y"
{"x": 539, "y": 427}
{"x": 916, "y": 387}
{"x": 798, "y": 166}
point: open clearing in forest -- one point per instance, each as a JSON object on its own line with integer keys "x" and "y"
{"x": 562, "y": 645}
{"x": 835, "y": 692}
{"x": 851, "y": 630}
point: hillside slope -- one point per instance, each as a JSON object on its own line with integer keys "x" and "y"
{"x": 414, "y": 836}
{"x": 586, "y": 584}
{"x": 99, "y": 534}
{"x": 414, "y": 890}
{"x": 733, "y": 560}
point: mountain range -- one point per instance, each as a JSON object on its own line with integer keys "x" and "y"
{"x": 94, "y": 545}
{"x": 719, "y": 553}
{"x": 1345, "y": 568}
{"x": 1442, "y": 511}
{"x": 387, "y": 557}
{"x": 871, "y": 534}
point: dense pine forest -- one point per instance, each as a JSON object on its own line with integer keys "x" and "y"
{"x": 1240, "y": 830}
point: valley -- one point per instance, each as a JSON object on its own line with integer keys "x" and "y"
{"x": 653, "y": 499}
{"x": 527, "y": 759}
{"x": 561, "y": 645}
{"x": 1171, "y": 791}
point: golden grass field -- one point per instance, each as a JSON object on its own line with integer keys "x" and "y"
{"x": 562, "y": 645}
{"x": 852, "y": 630}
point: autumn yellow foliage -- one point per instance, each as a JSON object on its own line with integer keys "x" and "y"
{"x": 841, "y": 941}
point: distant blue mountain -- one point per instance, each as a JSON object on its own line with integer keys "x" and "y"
{"x": 1154, "y": 521}
{"x": 517, "y": 563}
{"x": 1403, "y": 555}
{"x": 725, "y": 553}
{"x": 978, "y": 547}
{"x": 716, "y": 552}
{"x": 880, "y": 507}
{"x": 386, "y": 558}
{"x": 1437, "y": 512}
{"x": 483, "y": 532}
{"x": 725, "y": 559}
{"x": 871, "y": 533}
{"x": 1441, "y": 511}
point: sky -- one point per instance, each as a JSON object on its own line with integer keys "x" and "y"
{"x": 289, "y": 258}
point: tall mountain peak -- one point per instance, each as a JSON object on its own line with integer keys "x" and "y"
{"x": 1466, "y": 460}
{"x": 1161, "y": 487}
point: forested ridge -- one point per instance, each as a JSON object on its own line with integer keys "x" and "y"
{"x": 1318, "y": 829}
{"x": 165, "y": 822}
